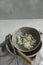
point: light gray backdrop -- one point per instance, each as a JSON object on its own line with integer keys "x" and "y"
{"x": 20, "y": 9}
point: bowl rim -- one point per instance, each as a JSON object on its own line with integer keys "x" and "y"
{"x": 21, "y": 49}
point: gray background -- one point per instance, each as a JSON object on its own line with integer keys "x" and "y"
{"x": 21, "y": 9}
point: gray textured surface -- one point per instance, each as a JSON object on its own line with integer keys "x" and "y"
{"x": 18, "y": 9}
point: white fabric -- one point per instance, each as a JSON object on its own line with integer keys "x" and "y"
{"x": 41, "y": 63}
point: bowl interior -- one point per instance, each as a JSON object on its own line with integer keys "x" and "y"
{"x": 22, "y": 31}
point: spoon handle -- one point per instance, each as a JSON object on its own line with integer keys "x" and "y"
{"x": 25, "y": 57}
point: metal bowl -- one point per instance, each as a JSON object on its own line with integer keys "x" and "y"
{"x": 22, "y": 31}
